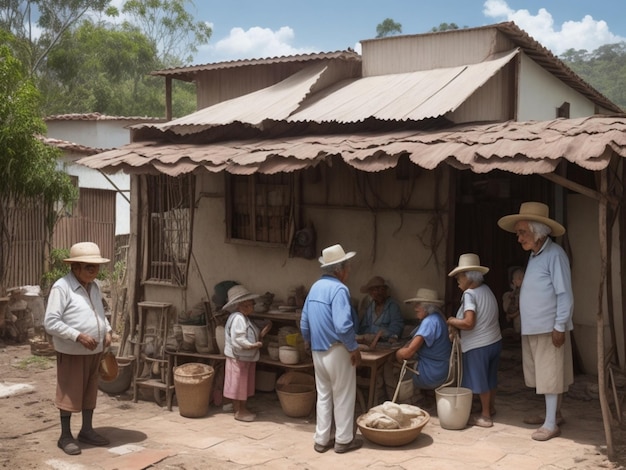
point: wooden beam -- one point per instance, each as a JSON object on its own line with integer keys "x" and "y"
{"x": 579, "y": 188}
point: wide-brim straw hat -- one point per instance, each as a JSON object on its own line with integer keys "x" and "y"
{"x": 238, "y": 294}
{"x": 376, "y": 281}
{"x": 334, "y": 254}
{"x": 535, "y": 212}
{"x": 108, "y": 367}
{"x": 468, "y": 262}
{"x": 428, "y": 296}
{"x": 86, "y": 252}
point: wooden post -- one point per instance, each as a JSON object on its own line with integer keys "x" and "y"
{"x": 602, "y": 383}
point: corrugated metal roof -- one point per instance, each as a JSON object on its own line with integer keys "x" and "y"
{"x": 99, "y": 117}
{"x": 71, "y": 146}
{"x": 276, "y": 102}
{"x": 518, "y": 147}
{"x": 189, "y": 72}
{"x": 399, "y": 97}
{"x": 405, "y": 96}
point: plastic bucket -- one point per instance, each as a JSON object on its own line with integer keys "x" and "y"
{"x": 193, "y": 382}
{"x": 454, "y": 405}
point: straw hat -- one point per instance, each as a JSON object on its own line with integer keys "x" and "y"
{"x": 429, "y": 296}
{"x": 468, "y": 262}
{"x": 376, "y": 281}
{"x": 238, "y": 294}
{"x": 108, "y": 367}
{"x": 86, "y": 252}
{"x": 532, "y": 211}
{"x": 334, "y": 254}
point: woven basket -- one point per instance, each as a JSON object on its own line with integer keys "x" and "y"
{"x": 296, "y": 400}
{"x": 393, "y": 437}
{"x": 193, "y": 382}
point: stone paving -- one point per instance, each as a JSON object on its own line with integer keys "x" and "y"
{"x": 144, "y": 435}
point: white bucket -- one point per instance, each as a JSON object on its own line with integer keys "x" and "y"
{"x": 405, "y": 393}
{"x": 454, "y": 405}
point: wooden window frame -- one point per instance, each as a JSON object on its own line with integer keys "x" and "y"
{"x": 269, "y": 204}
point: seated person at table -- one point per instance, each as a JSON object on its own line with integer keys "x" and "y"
{"x": 430, "y": 344}
{"x": 382, "y": 314}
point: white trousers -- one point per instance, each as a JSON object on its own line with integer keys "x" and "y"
{"x": 335, "y": 380}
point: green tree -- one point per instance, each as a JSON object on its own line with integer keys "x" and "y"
{"x": 170, "y": 27}
{"x": 603, "y": 68}
{"x": 388, "y": 28}
{"x": 51, "y": 17}
{"x": 27, "y": 165}
{"x": 444, "y": 27}
{"x": 103, "y": 69}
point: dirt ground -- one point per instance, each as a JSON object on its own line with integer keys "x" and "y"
{"x": 29, "y": 421}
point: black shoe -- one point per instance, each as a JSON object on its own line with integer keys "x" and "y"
{"x": 323, "y": 448}
{"x": 354, "y": 444}
{"x": 93, "y": 438}
{"x": 68, "y": 445}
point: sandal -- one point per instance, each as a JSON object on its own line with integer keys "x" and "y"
{"x": 68, "y": 445}
{"x": 481, "y": 421}
{"x": 543, "y": 434}
{"x": 248, "y": 418}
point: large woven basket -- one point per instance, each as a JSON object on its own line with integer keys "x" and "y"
{"x": 296, "y": 400}
{"x": 193, "y": 382}
{"x": 393, "y": 437}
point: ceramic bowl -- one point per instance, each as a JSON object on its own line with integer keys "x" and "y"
{"x": 288, "y": 355}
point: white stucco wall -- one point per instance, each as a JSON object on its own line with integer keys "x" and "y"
{"x": 541, "y": 93}
{"x": 99, "y": 134}
{"x": 400, "y": 256}
{"x": 582, "y": 227}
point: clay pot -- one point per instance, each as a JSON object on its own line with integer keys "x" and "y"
{"x": 220, "y": 339}
{"x": 288, "y": 355}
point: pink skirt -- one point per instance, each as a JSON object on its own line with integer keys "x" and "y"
{"x": 239, "y": 377}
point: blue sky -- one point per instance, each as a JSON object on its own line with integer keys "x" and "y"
{"x": 245, "y": 29}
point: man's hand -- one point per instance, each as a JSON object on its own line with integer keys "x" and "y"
{"x": 355, "y": 358}
{"x": 87, "y": 341}
{"x": 558, "y": 338}
{"x": 108, "y": 339}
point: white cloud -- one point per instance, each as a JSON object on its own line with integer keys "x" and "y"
{"x": 584, "y": 34}
{"x": 255, "y": 42}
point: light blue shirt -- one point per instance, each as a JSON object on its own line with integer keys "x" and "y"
{"x": 390, "y": 319}
{"x": 546, "y": 298}
{"x": 327, "y": 315}
{"x": 433, "y": 358}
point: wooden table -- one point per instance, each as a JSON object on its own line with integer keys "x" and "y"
{"x": 374, "y": 360}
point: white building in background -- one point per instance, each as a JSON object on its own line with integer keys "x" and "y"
{"x": 79, "y": 135}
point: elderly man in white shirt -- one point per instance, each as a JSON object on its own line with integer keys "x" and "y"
{"x": 546, "y": 308}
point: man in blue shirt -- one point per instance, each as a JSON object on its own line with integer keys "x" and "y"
{"x": 328, "y": 330}
{"x": 546, "y": 309}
